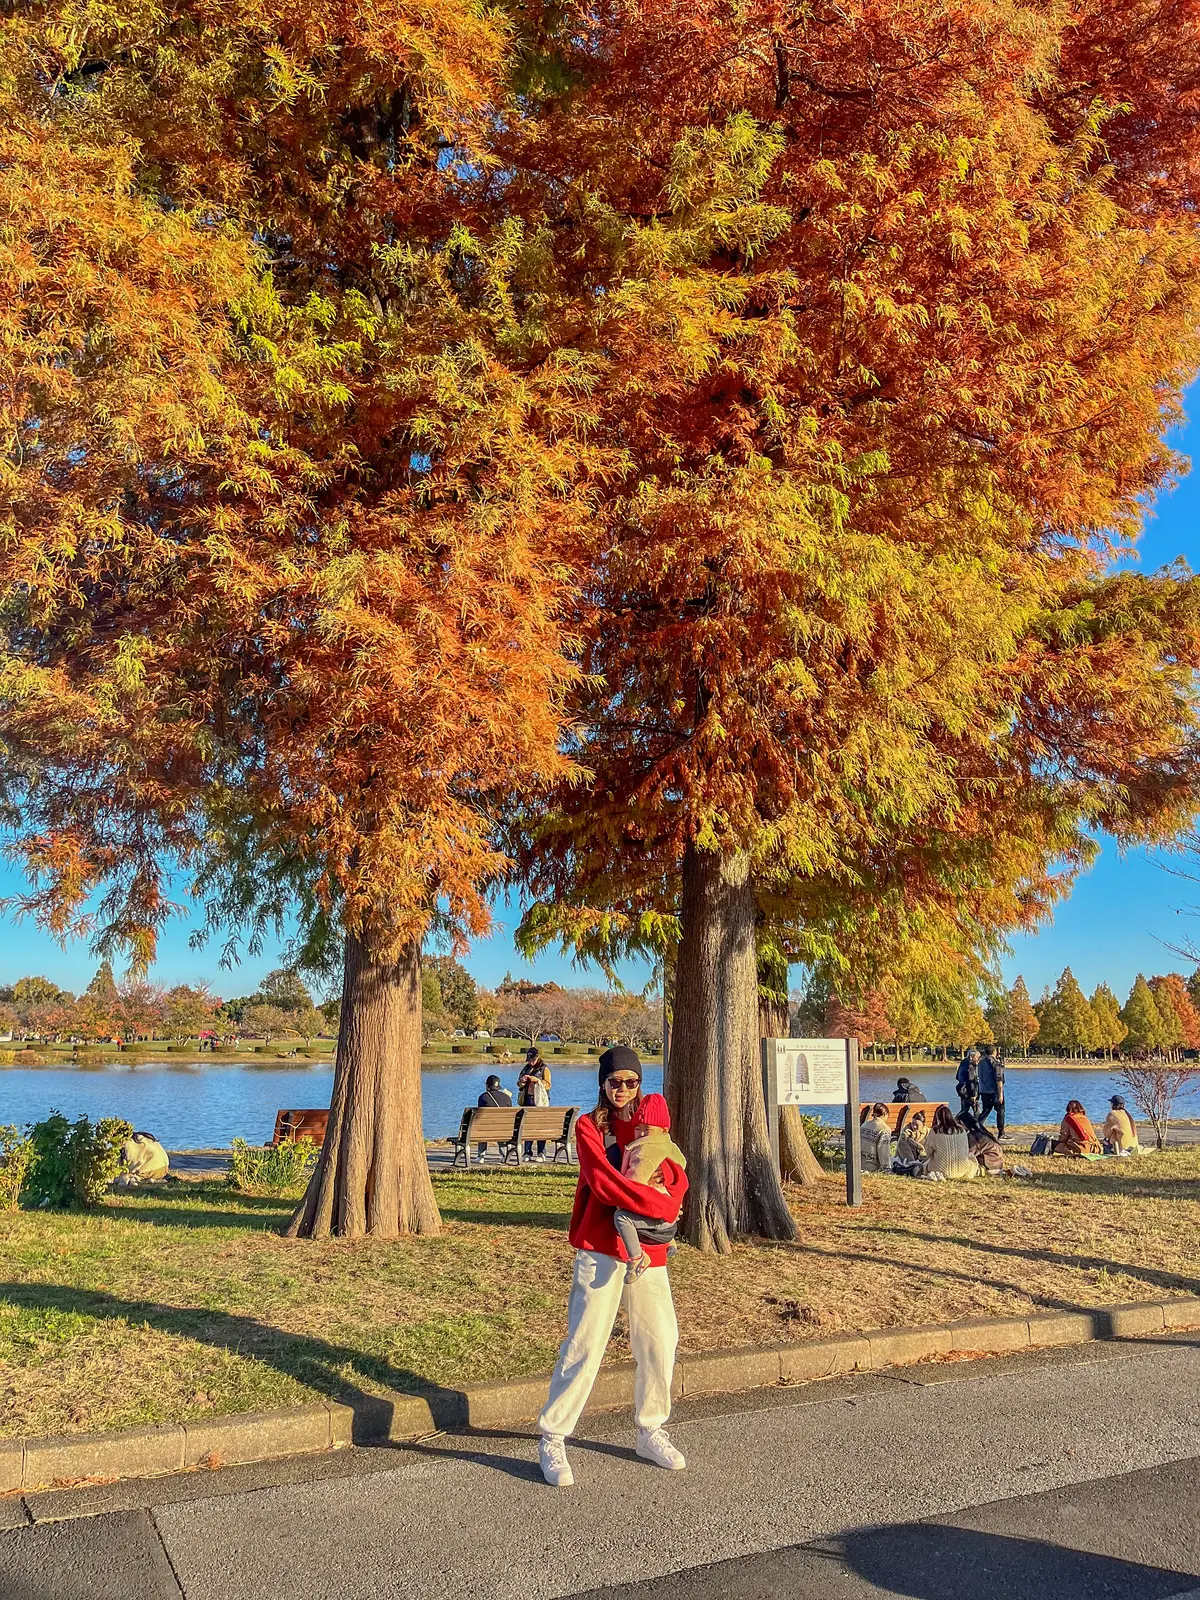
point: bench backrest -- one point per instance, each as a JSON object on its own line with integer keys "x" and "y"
{"x": 301, "y": 1125}
{"x": 492, "y": 1122}
{"x": 547, "y": 1122}
{"x": 899, "y": 1111}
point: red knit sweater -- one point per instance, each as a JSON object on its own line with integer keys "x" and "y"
{"x": 602, "y": 1190}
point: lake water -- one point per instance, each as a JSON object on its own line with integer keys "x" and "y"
{"x": 194, "y": 1106}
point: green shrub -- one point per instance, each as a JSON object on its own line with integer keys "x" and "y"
{"x": 278, "y": 1169}
{"x": 74, "y": 1163}
{"x": 16, "y": 1152}
{"x": 818, "y": 1134}
{"x": 462, "y": 1049}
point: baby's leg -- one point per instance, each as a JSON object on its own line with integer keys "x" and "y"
{"x": 638, "y": 1260}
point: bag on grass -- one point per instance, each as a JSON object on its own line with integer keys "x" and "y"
{"x": 1043, "y": 1145}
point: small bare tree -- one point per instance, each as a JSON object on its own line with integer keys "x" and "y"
{"x": 1154, "y": 1086}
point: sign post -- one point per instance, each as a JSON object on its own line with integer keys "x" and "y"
{"x": 815, "y": 1072}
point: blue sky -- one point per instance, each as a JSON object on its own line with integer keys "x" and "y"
{"x": 1121, "y": 919}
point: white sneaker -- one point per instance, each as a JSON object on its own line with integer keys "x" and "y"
{"x": 653, "y": 1445}
{"x": 552, "y": 1455}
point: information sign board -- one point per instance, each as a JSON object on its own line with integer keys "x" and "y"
{"x": 809, "y": 1072}
{"x": 815, "y": 1072}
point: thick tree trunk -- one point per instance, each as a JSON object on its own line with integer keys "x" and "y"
{"x": 797, "y": 1164}
{"x": 714, "y": 1082}
{"x": 372, "y": 1176}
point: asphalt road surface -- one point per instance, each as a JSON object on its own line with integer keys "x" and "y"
{"x": 1071, "y": 1475}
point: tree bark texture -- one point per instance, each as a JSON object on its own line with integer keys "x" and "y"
{"x": 714, "y": 1079}
{"x": 372, "y": 1176}
{"x": 797, "y": 1164}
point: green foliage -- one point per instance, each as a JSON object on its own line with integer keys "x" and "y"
{"x": 1065, "y": 1017}
{"x": 1141, "y": 1017}
{"x": 279, "y": 1169}
{"x": 819, "y": 1140}
{"x": 16, "y": 1152}
{"x": 74, "y": 1163}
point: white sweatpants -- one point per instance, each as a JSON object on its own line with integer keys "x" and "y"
{"x": 596, "y": 1294}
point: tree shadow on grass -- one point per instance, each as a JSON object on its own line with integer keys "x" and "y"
{"x": 1153, "y": 1276}
{"x": 942, "y": 1272}
{"x": 1126, "y": 1181}
{"x": 314, "y": 1362}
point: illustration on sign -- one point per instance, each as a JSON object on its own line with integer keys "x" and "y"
{"x": 808, "y": 1072}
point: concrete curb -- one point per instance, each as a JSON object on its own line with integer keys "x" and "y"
{"x": 296, "y": 1430}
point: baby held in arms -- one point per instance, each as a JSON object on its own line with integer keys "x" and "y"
{"x": 642, "y": 1162}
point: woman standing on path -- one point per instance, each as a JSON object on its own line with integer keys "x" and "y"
{"x": 599, "y": 1282}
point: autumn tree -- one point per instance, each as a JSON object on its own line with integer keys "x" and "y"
{"x": 1066, "y": 1021}
{"x": 1022, "y": 1018}
{"x": 1145, "y": 1030}
{"x": 187, "y": 1009}
{"x": 1181, "y": 1020}
{"x": 291, "y": 474}
{"x": 889, "y": 376}
{"x": 1106, "y": 1017}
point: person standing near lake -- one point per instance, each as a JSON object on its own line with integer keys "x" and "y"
{"x": 991, "y": 1086}
{"x": 533, "y": 1089}
{"x": 598, "y": 1286}
{"x": 966, "y": 1083}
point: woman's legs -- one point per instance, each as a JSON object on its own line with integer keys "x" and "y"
{"x": 591, "y": 1311}
{"x": 653, "y": 1335}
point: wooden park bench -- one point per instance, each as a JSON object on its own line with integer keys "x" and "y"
{"x": 291, "y": 1125}
{"x": 899, "y": 1111}
{"x": 509, "y": 1127}
{"x": 549, "y": 1123}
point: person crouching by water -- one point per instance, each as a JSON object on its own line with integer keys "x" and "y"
{"x": 599, "y": 1285}
{"x": 1076, "y": 1136}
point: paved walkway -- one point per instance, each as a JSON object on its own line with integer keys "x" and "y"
{"x": 944, "y": 1482}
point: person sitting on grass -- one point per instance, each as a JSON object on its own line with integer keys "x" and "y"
{"x": 1120, "y": 1135}
{"x": 910, "y": 1146}
{"x": 1076, "y": 1136}
{"x": 875, "y": 1140}
{"x": 984, "y": 1145}
{"x": 642, "y": 1162}
{"x": 947, "y": 1152}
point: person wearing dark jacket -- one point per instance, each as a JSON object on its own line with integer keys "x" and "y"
{"x": 494, "y": 1094}
{"x": 966, "y": 1082}
{"x": 991, "y": 1087}
{"x": 906, "y": 1092}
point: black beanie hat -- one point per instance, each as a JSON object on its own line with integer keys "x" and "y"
{"x": 619, "y": 1058}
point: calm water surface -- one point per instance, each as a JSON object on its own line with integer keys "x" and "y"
{"x": 193, "y": 1106}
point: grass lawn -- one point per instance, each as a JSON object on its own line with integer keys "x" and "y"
{"x": 186, "y": 1301}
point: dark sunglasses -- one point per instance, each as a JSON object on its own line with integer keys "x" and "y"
{"x": 622, "y": 1083}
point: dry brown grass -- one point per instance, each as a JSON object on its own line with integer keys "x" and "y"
{"x": 188, "y": 1301}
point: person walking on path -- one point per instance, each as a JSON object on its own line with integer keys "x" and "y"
{"x": 598, "y": 1286}
{"x": 991, "y": 1087}
{"x": 533, "y": 1089}
{"x": 966, "y": 1082}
